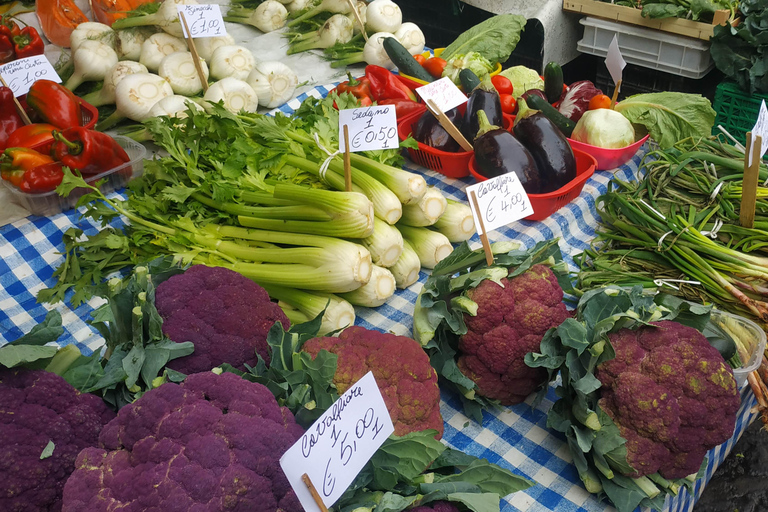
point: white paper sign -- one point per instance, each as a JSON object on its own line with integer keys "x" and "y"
{"x": 337, "y": 446}
{"x": 22, "y": 73}
{"x": 369, "y": 128}
{"x": 204, "y": 20}
{"x": 444, "y": 93}
{"x": 614, "y": 61}
{"x": 761, "y": 129}
{"x": 501, "y": 201}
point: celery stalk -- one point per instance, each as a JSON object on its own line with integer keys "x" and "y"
{"x": 385, "y": 243}
{"x": 457, "y": 222}
{"x": 375, "y": 292}
{"x": 430, "y": 246}
{"x": 406, "y": 269}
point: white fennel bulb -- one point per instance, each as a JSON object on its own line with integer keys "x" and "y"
{"x": 179, "y": 69}
{"x": 233, "y": 60}
{"x": 274, "y": 83}
{"x": 236, "y": 94}
{"x": 157, "y": 47}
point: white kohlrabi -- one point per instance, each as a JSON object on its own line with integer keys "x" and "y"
{"x": 106, "y": 95}
{"x": 166, "y": 17}
{"x": 374, "y": 52}
{"x": 337, "y": 29}
{"x": 233, "y": 60}
{"x": 207, "y": 45}
{"x": 129, "y": 41}
{"x": 179, "y": 69}
{"x": 383, "y": 16}
{"x": 236, "y": 94}
{"x": 411, "y": 37}
{"x": 274, "y": 83}
{"x": 157, "y": 47}
{"x": 93, "y": 60}
{"x": 268, "y": 16}
{"x": 91, "y": 30}
{"x": 173, "y": 106}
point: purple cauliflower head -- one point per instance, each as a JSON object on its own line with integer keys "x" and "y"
{"x": 212, "y": 443}
{"x": 671, "y": 395}
{"x": 510, "y": 322}
{"x": 36, "y": 408}
{"x": 407, "y": 382}
{"x": 226, "y": 315}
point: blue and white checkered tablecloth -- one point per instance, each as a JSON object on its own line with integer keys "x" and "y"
{"x": 515, "y": 437}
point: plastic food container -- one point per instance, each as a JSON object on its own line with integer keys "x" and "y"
{"x": 608, "y": 159}
{"x": 452, "y": 165}
{"x": 754, "y": 338}
{"x": 438, "y": 51}
{"x": 50, "y": 203}
{"x": 545, "y": 205}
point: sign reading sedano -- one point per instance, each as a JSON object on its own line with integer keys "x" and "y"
{"x": 370, "y": 128}
{"x": 339, "y": 444}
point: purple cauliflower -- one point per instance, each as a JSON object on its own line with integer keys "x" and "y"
{"x": 212, "y": 443}
{"x": 38, "y": 408}
{"x": 437, "y": 506}
{"x": 510, "y": 322}
{"x": 226, "y": 315}
{"x": 671, "y": 395}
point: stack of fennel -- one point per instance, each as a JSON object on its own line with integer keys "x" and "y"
{"x": 250, "y": 196}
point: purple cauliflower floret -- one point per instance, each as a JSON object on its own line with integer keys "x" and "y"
{"x": 510, "y": 322}
{"x": 407, "y": 381}
{"x": 671, "y": 395}
{"x": 36, "y": 408}
{"x": 211, "y": 443}
{"x": 226, "y": 315}
{"x": 438, "y": 506}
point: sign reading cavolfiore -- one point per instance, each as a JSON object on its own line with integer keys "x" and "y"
{"x": 22, "y": 73}
{"x": 443, "y": 92}
{"x": 337, "y": 446}
{"x": 501, "y": 200}
{"x": 204, "y": 20}
{"x": 370, "y": 128}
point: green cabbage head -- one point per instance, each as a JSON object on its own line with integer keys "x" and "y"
{"x": 604, "y": 128}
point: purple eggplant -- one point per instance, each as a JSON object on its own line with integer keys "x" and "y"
{"x": 428, "y": 130}
{"x": 483, "y": 97}
{"x": 498, "y": 152}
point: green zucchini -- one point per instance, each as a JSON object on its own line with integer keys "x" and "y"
{"x": 726, "y": 347}
{"x": 468, "y": 80}
{"x": 563, "y": 123}
{"x": 553, "y": 81}
{"x": 404, "y": 61}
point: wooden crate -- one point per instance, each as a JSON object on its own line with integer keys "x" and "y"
{"x": 632, "y": 16}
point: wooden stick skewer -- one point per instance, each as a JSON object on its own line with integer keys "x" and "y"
{"x": 616, "y": 93}
{"x": 22, "y": 112}
{"x": 195, "y": 55}
{"x": 313, "y": 492}
{"x": 483, "y": 235}
{"x": 353, "y": 5}
{"x": 750, "y": 181}
{"x": 449, "y": 126}
{"x": 347, "y": 162}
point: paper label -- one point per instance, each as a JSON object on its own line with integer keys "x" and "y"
{"x": 22, "y": 73}
{"x": 614, "y": 61}
{"x": 337, "y": 446}
{"x": 761, "y": 129}
{"x": 369, "y": 128}
{"x": 444, "y": 93}
{"x": 501, "y": 201}
{"x": 204, "y": 20}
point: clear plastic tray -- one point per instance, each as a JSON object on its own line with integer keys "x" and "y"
{"x": 50, "y": 203}
{"x": 754, "y": 337}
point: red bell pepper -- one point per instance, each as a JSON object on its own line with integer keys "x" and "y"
{"x": 385, "y": 85}
{"x": 88, "y": 151}
{"x": 358, "y": 87}
{"x": 42, "y": 178}
{"x": 403, "y": 107}
{"x": 10, "y": 120}
{"x": 9, "y": 26}
{"x": 31, "y": 135}
{"x": 54, "y": 104}
{"x": 7, "y": 53}
{"x": 28, "y": 43}
{"x": 14, "y": 162}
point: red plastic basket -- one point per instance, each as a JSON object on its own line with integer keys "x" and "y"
{"x": 453, "y": 165}
{"x": 545, "y": 205}
{"x": 89, "y": 115}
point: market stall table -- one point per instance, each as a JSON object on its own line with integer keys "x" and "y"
{"x": 514, "y": 437}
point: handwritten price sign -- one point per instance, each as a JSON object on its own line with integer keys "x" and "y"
{"x": 22, "y": 73}
{"x": 761, "y": 129}
{"x": 369, "y": 128}
{"x": 501, "y": 200}
{"x": 337, "y": 446}
{"x": 203, "y": 20}
{"x": 444, "y": 93}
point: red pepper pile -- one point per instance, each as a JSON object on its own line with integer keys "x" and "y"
{"x": 33, "y": 156}
{"x": 17, "y": 42}
{"x": 383, "y": 87}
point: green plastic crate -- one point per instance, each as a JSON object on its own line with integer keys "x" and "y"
{"x": 736, "y": 110}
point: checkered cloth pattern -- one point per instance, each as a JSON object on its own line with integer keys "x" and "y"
{"x": 513, "y": 437}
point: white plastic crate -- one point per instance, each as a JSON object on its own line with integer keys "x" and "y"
{"x": 649, "y": 48}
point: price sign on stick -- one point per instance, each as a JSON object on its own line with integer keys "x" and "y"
{"x": 369, "y": 128}
{"x": 337, "y": 446}
{"x": 500, "y": 200}
{"x": 203, "y": 20}
{"x": 761, "y": 129}
{"x": 443, "y": 92}
{"x": 22, "y": 73}
{"x": 614, "y": 61}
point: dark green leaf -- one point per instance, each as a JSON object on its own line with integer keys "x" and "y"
{"x": 494, "y": 38}
{"x": 46, "y": 331}
{"x": 12, "y": 355}
{"x": 489, "y": 478}
{"x": 86, "y": 372}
